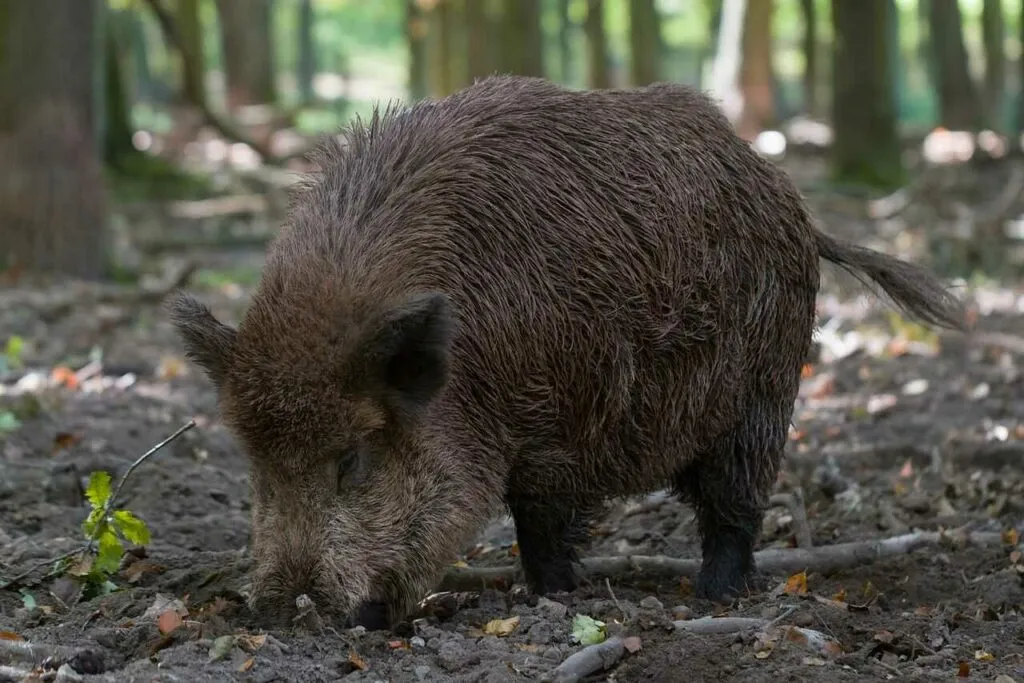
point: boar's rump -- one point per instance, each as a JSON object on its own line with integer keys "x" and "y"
{"x": 527, "y": 298}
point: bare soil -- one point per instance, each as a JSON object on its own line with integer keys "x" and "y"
{"x": 899, "y": 435}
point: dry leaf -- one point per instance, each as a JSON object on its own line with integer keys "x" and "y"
{"x": 632, "y": 644}
{"x": 398, "y": 645}
{"x": 840, "y": 596}
{"x": 813, "y": 661}
{"x": 64, "y": 440}
{"x": 806, "y": 371}
{"x": 923, "y": 611}
{"x": 514, "y": 549}
{"x": 796, "y": 584}
{"x": 983, "y": 656}
{"x": 795, "y": 635}
{"x": 357, "y": 661}
{"x": 250, "y": 642}
{"x": 64, "y": 376}
{"x": 1011, "y": 537}
{"x": 501, "y": 627}
{"x": 1016, "y": 556}
{"x": 963, "y": 670}
{"x": 885, "y": 637}
{"x": 907, "y": 471}
{"x": 168, "y": 621}
{"x": 170, "y": 367}
{"x": 763, "y": 654}
{"x": 460, "y": 564}
{"x": 136, "y": 570}
{"x": 246, "y": 665}
{"x": 10, "y": 635}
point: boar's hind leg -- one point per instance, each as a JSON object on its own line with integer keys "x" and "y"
{"x": 547, "y": 534}
{"x": 728, "y": 487}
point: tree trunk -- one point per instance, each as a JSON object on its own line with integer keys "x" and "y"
{"x": 416, "y": 35}
{"x": 306, "y": 67}
{"x": 524, "y": 38}
{"x": 481, "y": 35}
{"x": 810, "y": 49}
{"x": 52, "y": 198}
{"x": 597, "y": 46}
{"x": 866, "y": 147}
{"x": 958, "y": 99}
{"x": 117, "y": 143}
{"x": 994, "y": 35}
{"x": 756, "y": 80}
{"x": 439, "y": 48}
{"x": 565, "y": 31}
{"x": 245, "y": 27}
{"x": 644, "y": 42}
{"x": 193, "y": 67}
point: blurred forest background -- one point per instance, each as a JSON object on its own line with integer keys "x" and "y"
{"x": 207, "y": 105}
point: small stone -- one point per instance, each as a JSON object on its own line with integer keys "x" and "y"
{"x": 803, "y": 619}
{"x": 916, "y": 502}
{"x": 65, "y": 674}
{"x": 552, "y": 654}
{"x": 416, "y": 641}
{"x": 1003, "y": 678}
{"x": 539, "y": 634}
{"x": 555, "y": 610}
{"x": 651, "y": 603}
{"x": 681, "y": 612}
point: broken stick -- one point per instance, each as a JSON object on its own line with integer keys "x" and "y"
{"x": 821, "y": 559}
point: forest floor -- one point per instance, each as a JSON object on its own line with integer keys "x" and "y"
{"x": 896, "y": 431}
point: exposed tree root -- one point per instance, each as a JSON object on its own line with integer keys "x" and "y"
{"x": 822, "y": 559}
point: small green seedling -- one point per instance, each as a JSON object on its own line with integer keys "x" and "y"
{"x": 587, "y": 630}
{"x": 11, "y": 358}
{"x": 106, "y": 529}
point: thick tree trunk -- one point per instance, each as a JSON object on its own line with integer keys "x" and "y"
{"x": 958, "y": 98}
{"x": 483, "y": 37}
{"x": 597, "y": 46}
{"x": 756, "y": 80}
{"x": 306, "y": 67}
{"x": 994, "y": 34}
{"x": 440, "y": 48}
{"x": 810, "y": 50}
{"x": 644, "y": 42}
{"x": 416, "y": 30}
{"x": 52, "y": 199}
{"x": 117, "y": 143}
{"x": 866, "y": 147}
{"x": 524, "y": 38}
{"x": 193, "y": 67}
{"x": 565, "y": 31}
{"x": 248, "y": 51}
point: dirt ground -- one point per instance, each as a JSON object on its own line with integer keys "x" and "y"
{"x": 894, "y": 432}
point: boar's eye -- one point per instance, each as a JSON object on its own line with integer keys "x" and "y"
{"x": 348, "y": 465}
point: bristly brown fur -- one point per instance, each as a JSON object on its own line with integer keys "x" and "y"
{"x": 530, "y": 297}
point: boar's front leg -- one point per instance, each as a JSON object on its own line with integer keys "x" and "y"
{"x": 547, "y": 533}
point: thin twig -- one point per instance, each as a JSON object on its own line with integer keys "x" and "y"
{"x": 107, "y": 507}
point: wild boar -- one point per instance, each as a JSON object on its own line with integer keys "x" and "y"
{"x": 524, "y": 298}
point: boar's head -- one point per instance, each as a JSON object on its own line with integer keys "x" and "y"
{"x": 356, "y": 499}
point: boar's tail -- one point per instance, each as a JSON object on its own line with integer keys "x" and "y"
{"x": 914, "y": 290}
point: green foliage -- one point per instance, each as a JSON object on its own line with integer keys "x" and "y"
{"x": 106, "y": 530}
{"x": 11, "y": 358}
{"x": 9, "y": 422}
{"x": 587, "y": 630}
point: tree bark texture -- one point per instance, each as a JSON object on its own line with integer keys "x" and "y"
{"x": 245, "y": 27}
{"x": 866, "y": 147}
{"x": 644, "y": 42}
{"x": 994, "y": 36}
{"x": 959, "y": 107}
{"x": 52, "y": 199}
{"x": 597, "y": 46}
{"x": 756, "y": 79}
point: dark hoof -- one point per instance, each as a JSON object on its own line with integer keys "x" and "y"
{"x": 373, "y": 616}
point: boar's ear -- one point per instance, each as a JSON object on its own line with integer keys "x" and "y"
{"x": 406, "y": 353}
{"x": 208, "y": 341}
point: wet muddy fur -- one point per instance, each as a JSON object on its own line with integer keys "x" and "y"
{"x": 528, "y": 298}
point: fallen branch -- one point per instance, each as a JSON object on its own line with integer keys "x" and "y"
{"x": 34, "y": 653}
{"x": 12, "y": 674}
{"x": 587, "y": 661}
{"x": 90, "y": 543}
{"x": 815, "y": 640}
{"x": 821, "y": 559}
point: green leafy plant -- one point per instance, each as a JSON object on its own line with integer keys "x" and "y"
{"x": 106, "y": 530}
{"x": 11, "y": 357}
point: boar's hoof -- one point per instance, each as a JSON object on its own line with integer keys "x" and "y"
{"x": 722, "y": 586}
{"x": 373, "y": 616}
